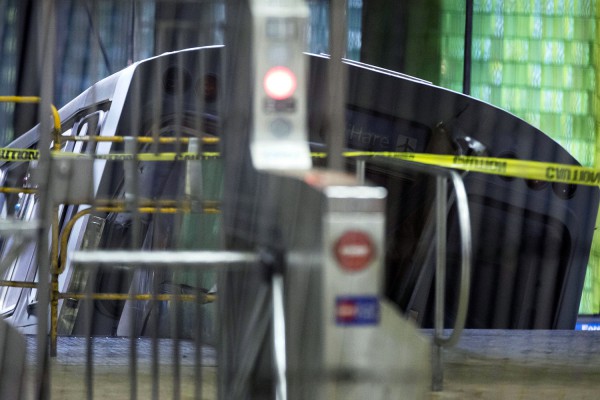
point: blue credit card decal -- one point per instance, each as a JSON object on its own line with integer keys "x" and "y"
{"x": 356, "y": 310}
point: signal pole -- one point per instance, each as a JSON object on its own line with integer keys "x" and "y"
{"x": 336, "y": 84}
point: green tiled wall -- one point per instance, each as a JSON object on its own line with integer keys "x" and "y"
{"x": 538, "y": 59}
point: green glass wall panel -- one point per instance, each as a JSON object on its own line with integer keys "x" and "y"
{"x": 534, "y": 75}
{"x": 538, "y": 59}
{"x": 528, "y": 56}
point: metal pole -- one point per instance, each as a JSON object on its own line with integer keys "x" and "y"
{"x": 440, "y": 280}
{"x": 89, "y": 329}
{"x": 279, "y": 336}
{"x": 47, "y": 33}
{"x": 198, "y": 340}
{"x": 337, "y": 80}
{"x": 360, "y": 170}
{"x": 468, "y": 47}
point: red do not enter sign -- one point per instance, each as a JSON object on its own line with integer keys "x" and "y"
{"x": 354, "y": 250}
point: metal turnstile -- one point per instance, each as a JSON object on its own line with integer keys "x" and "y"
{"x": 342, "y": 338}
{"x": 313, "y": 324}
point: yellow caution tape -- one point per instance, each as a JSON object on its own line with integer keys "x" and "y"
{"x": 10, "y": 154}
{"x": 151, "y": 156}
{"x": 533, "y": 170}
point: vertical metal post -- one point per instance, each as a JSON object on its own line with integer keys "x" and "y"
{"x": 132, "y": 355}
{"x": 336, "y": 81}
{"x": 53, "y": 313}
{"x": 131, "y": 197}
{"x": 468, "y": 47}
{"x": 54, "y": 281}
{"x": 47, "y": 39}
{"x": 131, "y": 181}
{"x": 154, "y": 321}
{"x": 194, "y": 186}
{"x": 89, "y": 328}
{"x": 198, "y": 339}
{"x": 440, "y": 280}
{"x": 360, "y": 170}
{"x": 175, "y": 324}
{"x": 279, "y": 336}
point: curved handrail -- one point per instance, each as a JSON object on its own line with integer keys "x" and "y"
{"x": 37, "y": 99}
{"x": 59, "y": 255}
{"x": 465, "y": 236}
{"x": 464, "y": 224}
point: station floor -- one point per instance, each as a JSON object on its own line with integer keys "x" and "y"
{"x": 486, "y": 364}
{"x": 528, "y": 365}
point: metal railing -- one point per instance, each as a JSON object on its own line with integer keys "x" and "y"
{"x": 459, "y": 198}
{"x": 155, "y": 260}
{"x": 59, "y": 240}
{"x": 62, "y": 167}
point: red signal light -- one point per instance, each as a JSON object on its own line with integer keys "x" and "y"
{"x": 279, "y": 83}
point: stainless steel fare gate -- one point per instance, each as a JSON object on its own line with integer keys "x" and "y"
{"x": 342, "y": 339}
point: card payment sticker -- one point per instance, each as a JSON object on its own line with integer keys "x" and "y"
{"x": 357, "y": 310}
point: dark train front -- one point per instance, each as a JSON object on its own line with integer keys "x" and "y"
{"x": 531, "y": 239}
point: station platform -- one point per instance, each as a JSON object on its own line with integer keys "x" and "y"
{"x": 485, "y": 364}
{"x": 112, "y": 374}
{"x": 532, "y": 364}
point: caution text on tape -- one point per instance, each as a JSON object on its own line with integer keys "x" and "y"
{"x": 9, "y": 154}
{"x": 533, "y": 170}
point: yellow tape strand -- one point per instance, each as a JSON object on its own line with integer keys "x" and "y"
{"x": 9, "y": 154}
{"x": 534, "y": 170}
{"x": 23, "y": 155}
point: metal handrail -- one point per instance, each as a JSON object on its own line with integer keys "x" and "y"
{"x": 443, "y": 176}
{"x": 464, "y": 223}
{"x": 35, "y": 99}
{"x": 465, "y": 234}
{"x": 58, "y": 250}
{"x": 59, "y": 257}
{"x": 139, "y": 139}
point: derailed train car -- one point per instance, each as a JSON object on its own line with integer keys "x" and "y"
{"x": 159, "y": 97}
{"x": 531, "y": 238}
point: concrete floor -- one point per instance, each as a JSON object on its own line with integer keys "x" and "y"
{"x": 500, "y": 364}
{"x": 112, "y": 375}
{"x": 486, "y": 364}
